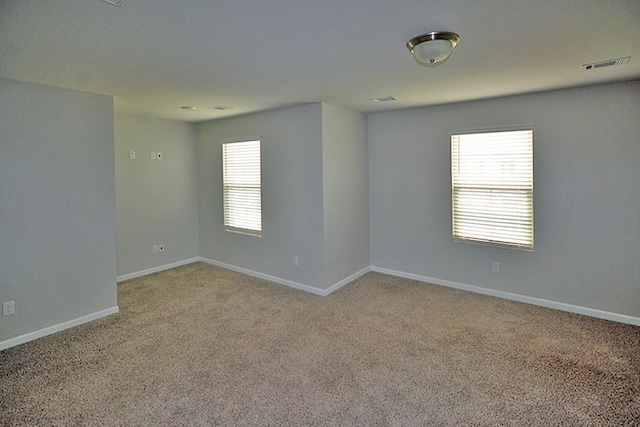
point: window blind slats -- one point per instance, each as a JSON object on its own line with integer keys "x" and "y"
{"x": 492, "y": 188}
{"x": 242, "y": 183}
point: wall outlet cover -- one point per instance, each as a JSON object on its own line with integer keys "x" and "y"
{"x": 8, "y": 308}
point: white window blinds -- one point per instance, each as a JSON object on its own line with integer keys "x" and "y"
{"x": 492, "y": 188}
{"x": 242, "y": 186}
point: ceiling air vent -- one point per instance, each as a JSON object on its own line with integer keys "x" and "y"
{"x": 114, "y": 2}
{"x": 384, "y": 99}
{"x": 608, "y": 63}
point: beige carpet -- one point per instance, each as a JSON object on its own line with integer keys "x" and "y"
{"x": 199, "y": 345}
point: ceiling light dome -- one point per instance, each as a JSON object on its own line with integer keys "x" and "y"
{"x": 433, "y": 48}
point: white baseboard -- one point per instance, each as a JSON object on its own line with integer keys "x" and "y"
{"x": 285, "y": 282}
{"x": 157, "y": 269}
{"x": 263, "y": 276}
{"x": 12, "y": 342}
{"x": 622, "y": 318}
{"x": 346, "y": 280}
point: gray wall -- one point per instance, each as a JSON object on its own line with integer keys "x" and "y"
{"x": 292, "y": 219}
{"x": 58, "y": 209}
{"x": 586, "y": 200}
{"x": 314, "y": 194}
{"x": 346, "y": 192}
{"x": 57, "y": 206}
{"x": 156, "y": 200}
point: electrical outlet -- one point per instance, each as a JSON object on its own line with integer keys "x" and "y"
{"x": 154, "y": 249}
{"x": 132, "y": 155}
{"x": 160, "y": 248}
{"x": 154, "y": 155}
{"x": 8, "y": 308}
{"x": 495, "y": 267}
{"x": 295, "y": 261}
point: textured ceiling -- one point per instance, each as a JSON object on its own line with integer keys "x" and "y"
{"x": 155, "y": 55}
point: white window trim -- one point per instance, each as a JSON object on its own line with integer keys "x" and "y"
{"x": 229, "y": 228}
{"x": 485, "y": 240}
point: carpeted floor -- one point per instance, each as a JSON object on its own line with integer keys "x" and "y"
{"x": 200, "y": 345}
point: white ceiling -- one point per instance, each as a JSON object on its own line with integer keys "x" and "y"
{"x": 155, "y": 55}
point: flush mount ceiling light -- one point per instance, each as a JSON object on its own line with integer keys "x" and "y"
{"x": 431, "y": 49}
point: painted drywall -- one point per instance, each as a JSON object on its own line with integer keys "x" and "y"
{"x": 292, "y": 214}
{"x": 57, "y": 206}
{"x": 345, "y": 192}
{"x": 156, "y": 200}
{"x": 586, "y": 196}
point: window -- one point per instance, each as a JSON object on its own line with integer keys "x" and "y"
{"x": 492, "y": 188}
{"x": 242, "y": 187}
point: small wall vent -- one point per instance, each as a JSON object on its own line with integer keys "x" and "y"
{"x": 609, "y": 63}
